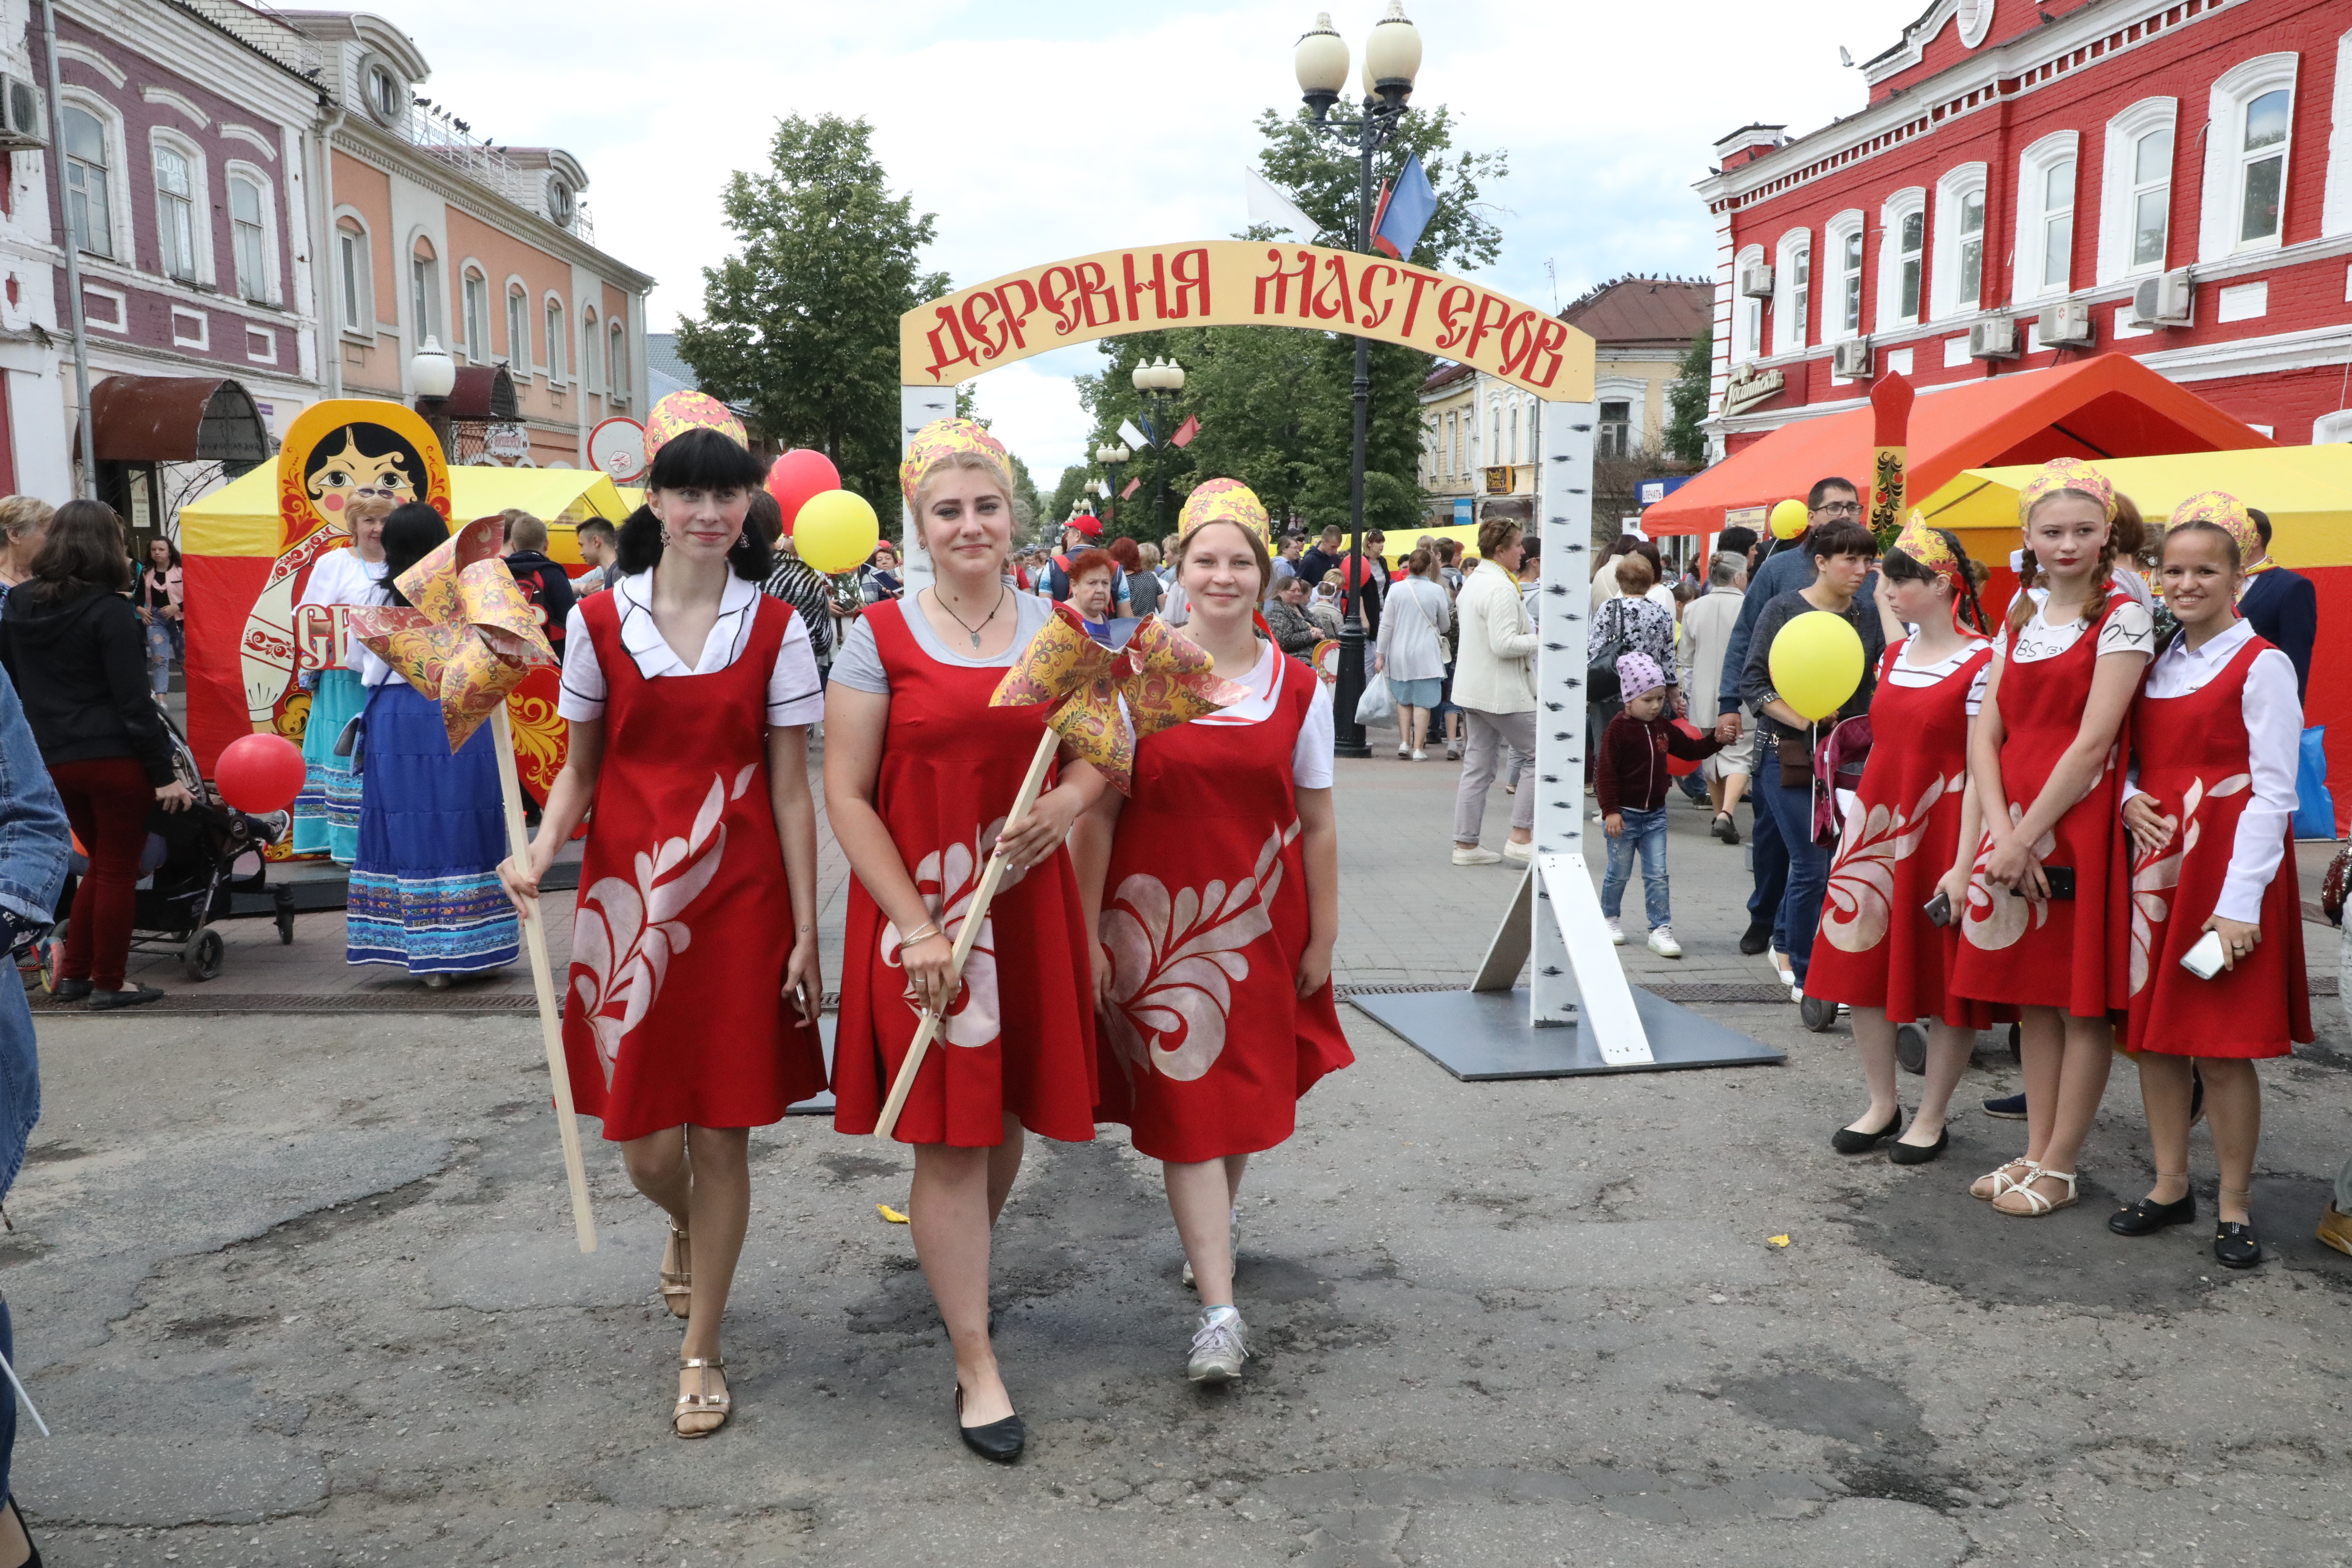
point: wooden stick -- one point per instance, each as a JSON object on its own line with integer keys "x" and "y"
{"x": 904, "y": 1084}
{"x": 542, "y": 976}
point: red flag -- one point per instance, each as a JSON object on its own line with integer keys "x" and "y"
{"x": 1132, "y": 485}
{"x": 1186, "y": 431}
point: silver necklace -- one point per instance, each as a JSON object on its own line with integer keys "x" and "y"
{"x": 941, "y": 601}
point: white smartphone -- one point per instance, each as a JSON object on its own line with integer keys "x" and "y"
{"x": 2204, "y": 960}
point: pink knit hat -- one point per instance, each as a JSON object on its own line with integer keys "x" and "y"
{"x": 1638, "y": 673}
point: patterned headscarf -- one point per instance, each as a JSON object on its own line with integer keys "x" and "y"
{"x": 1226, "y": 500}
{"x": 2066, "y": 474}
{"x": 2225, "y": 512}
{"x": 682, "y": 411}
{"x": 1929, "y": 548}
{"x": 944, "y": 438}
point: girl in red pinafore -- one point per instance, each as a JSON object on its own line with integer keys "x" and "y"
{"x": 1909, "y": 837}
{"x": 1219, "y": 904}
{"x": 2215, "y": 738}
{"x": 919, "y": 772}
{"x": 690, "y": 1010}
{"x": 2046, "y": 761}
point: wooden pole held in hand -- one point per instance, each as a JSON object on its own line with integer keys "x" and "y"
{"x": 542, "y": 976}
{"x": 904, "y": 1084}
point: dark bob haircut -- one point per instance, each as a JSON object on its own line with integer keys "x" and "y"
{"x": 410, "y": 535}
{"x": 1841, "y": 539}
{"x": 698, "y": 459}
{"x": 83, "y": 553}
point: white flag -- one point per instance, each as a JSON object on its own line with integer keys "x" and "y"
{"x": 1267, "y": 204}
{"x": 1131, "y": 435}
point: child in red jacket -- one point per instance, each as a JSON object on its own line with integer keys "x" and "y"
{"x": 1631, "y": 779}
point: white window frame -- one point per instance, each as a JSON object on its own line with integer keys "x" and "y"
{"x": 557, "y": 330}
{"x": 113, "y": 177}
{"x": 471, "y": 273}
{"x": 1974, "y": 20}
{"x": 1747, "y": 314}
{"x": 236, "y": 172}
{"x": 518, "y": 354}
{"x": 356, "y": 314}
{"x": 200, "y": 204}
{"x": 2335, "y": 199}
{"x": 2034, "y": 164}
{"x": 1943, "y": 240}
{"x": 2225, "y": 160}
{"x": 1835, "y": 234}
{"x": 1793, "y": 304}
{"x": 592, "y": 351}
{"x": 1901, "y": 205}
{"x": 428, "y": 295}
{"x": 2119, "y": 188}
{"x": 617, "y": 383}
{"x": 1634, "y": 394}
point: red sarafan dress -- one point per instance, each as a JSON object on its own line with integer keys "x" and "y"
{"x": 674, "y": 1008}
{"x": 1020, "y": 1038}
{"x": 1207, "y": 1045}
{"x": 1876, "y": 947}
{"x": 2052, "y": 953}
{"x": 2196, "y": 758}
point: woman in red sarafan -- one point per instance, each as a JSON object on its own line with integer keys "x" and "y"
{"x": 1908, "y": 838}
{"x": 2044, "y": 926}
{"x": 2215, "y": 737}
{"x": 920, "y": 770}
{"x": 690, "y": 1008}
{"x": 1217, "y": 884}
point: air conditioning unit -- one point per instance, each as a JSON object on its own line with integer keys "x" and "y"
{"x": 23, "y": 119}
{"x": 1755, "y": 282}
{"x": 2167, "y": 301}
{"x": 1995, "y": 337}
{"x": 1851, "y": 359}
{"x": 2068, "y": 323}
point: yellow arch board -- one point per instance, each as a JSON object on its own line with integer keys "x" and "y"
{"x": 1241, "y": 283}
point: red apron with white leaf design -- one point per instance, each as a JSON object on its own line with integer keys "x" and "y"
{"x": 674, "y": 1010}
{"x": 1207, "y": 1045}
{"x": 2196, "y": 760}
{"x": 2067, "y": 954}
{"x": 1876, "y": 947}
{"x": 1020, "y": 1038}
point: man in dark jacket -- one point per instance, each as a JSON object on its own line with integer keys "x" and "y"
{"x": 543, "y": 581}
{"x": 2281, "y": 605}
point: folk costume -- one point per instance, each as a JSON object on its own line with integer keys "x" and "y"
{"x": 1019, "y": 1038}
{"x": 327, "y": 812}
{"x": 676, "y": 1011}
{"x": 2215, "y": 735}
{"x": 1876, "y": 947}
{"x": 2016, "y": 948}
{"x": 1207, "y": 1045}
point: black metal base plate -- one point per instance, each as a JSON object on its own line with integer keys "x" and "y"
{"x": 1483, "y": 1037}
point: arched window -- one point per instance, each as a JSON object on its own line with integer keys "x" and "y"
{"x": 88, "y": 165}
{"x": 425, "y": 292}
{"x": 2248, "y": 146}
{"x": 1955, "y": 281}
{"x": 518, "y": 331}
{"x": 2045, "y": 215}
{"x": 616, "y": 362}
{"x": 178, "y": 188}
{"x": 1792, "y": 287}
{"x": 1902, "y": 258}
{"x": 354, "y": 292}
{"x": 478, "y": 317}
{"x": 555, "y": 342}
{"x": 2136, "y": 190}
{"x": 251, "y": 240}
{"x": 1842, "y": 309}
{"x": 591, "y": 370}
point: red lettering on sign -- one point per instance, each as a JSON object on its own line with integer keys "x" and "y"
{"x": 1420, "y": 280}
{"x": 952, "y": 329}
{"x": 1364, "y": 294}
{"x": 1549, "y": 336}
{"x": 1016, "y": 320}
{"x": 1094, "y": 290}
{"x": 1282, "y": 280}
{"x": 981, "y": 317}
{"x": 1190, "y": 281}
{"x": 1057, "y": 286}
{"x": 1156, "y": 283}
{"x": 1450, "y": 302}
{"x": 1335, "y": 272}
{"x": 1480, "y": 326}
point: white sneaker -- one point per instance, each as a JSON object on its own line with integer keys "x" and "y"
{"x": 1796, "y": 994}
{"x": 1420, "y": 756}
{"x": 1233, "y": 1246}
{"x": 1403, "y": 751}
{"x": 1476, "y": 855}
{"x": 1522, "y": 853}
{"x": 1220, "y": 1345}
{"x": 1616, "y": 932}
{"x": 1662, "y": 942}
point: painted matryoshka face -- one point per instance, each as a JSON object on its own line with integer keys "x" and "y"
{"x": 349, "y": 474}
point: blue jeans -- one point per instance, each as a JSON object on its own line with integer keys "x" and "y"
{"x": 1792, "y": 809}
{"x": 1645, "y": 832}
{"x": 1768, "y": 856}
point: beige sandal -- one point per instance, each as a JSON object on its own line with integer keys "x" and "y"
{"x": 1993, "y": 1184}
{"x": 702, "y": 1402}
{"x": 677, "y": 1284}
{"x": 2036, "y": 1206}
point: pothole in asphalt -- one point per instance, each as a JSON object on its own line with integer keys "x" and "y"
{"x": 1876, "y": 1420}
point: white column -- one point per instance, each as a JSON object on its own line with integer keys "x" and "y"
{"x": 1564, "y": 522}
{"x": 918, "y": 406}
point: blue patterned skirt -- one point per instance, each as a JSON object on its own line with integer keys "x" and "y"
{"x": 425, "y": 881}
{"x": 327, "y": 812}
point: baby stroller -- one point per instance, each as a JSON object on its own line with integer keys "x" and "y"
{"x": 189, "y": 877}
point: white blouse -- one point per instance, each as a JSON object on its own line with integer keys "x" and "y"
{"x": 340, "y": 578}
{"x": 1912, "y": 676}
{"x": 1310, "y": 756}
{"x": 2131, "y": 629}
{"x": 794, "y": 693}
{"x": 2274, "y": 718}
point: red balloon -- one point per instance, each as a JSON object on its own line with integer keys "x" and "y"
{"x": 259, "y": 774}
{"x": 798, "y": 475}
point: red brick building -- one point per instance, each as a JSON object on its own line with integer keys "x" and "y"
{"x": 2028, "y": 184}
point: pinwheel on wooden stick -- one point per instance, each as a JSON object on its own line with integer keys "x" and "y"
{"x": 467, "y": 638}
{"x": 1108, "y": 693}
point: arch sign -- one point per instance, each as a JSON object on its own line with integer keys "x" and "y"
{"x": 1242, "y": 283}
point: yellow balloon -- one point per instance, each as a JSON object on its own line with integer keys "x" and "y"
{"x": 1816, "y": 663}
{"x": 836, "y": 531}
{"x": 1789, "y": 518}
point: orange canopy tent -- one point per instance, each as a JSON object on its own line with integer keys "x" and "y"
{"x": 2109, "y": 405}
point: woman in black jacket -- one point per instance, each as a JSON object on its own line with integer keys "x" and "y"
{"x": 74, "y": 646}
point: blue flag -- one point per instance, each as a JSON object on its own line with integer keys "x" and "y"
{"x": 1405, "y": 212}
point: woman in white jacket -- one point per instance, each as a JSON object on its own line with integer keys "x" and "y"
{"x": 1412, "y": 651}
{"x": 1494, "y": 687}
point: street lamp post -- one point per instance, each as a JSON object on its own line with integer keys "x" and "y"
{"x": 1112, "y": 456}
{"x": 434, "y": 375}
{"x": 1159, "y": 384}
{"x": 1392, "y": 57}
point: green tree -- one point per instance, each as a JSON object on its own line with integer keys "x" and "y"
{"x": 801, "y": 325}
{"x": 1322, "y": 176}
{"x": 1687, "y": 400}
{"x": 1066, "y": 493}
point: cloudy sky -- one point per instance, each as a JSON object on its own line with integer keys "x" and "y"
{"x": 1038, "y": 128}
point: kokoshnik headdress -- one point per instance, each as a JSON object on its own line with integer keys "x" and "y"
{"x": 944, "y": 438}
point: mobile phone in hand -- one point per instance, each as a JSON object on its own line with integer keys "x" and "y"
{"x": 2204, "y": 960}
{"x": 1939, "y": 910}
{"x": 2062, "y": 883}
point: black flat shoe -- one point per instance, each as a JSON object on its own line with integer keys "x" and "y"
{"x": 136, "y": 996}
{"x": 1901, "y": 1153}
{"x": 2148, "y": 1216}
{"x": 2236, "y": 1246}
{"x": 1001, "y": 1441}
{"x": 1846, "y": 1140}
{"x": 1756, "y": 938}
{"x": 70, "y": 990}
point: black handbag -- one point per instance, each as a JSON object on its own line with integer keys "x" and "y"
{"x": 1600, "y": 672}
